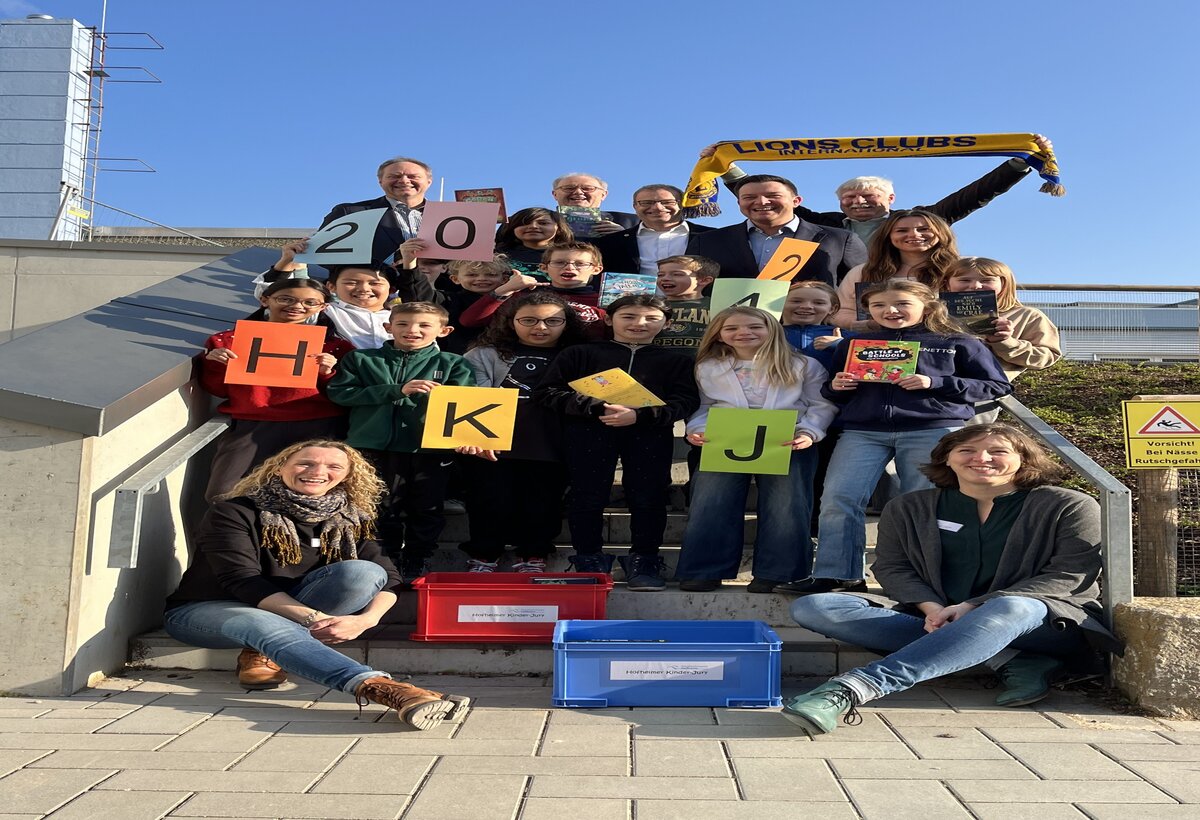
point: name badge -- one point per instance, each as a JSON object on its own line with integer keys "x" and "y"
{"x": 315, "y": 543}
{"x": 949, "y": 526}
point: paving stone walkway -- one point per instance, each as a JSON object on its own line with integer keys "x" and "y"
{"x": 195, "y": 745}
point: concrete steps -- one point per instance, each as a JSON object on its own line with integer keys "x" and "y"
{"x": 388, "y": 647}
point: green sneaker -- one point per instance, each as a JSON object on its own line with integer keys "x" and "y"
{"x": 818, "y": 711}
{"x": 1026, "y": 679}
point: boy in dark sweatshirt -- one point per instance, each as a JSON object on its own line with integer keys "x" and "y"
{"x": 387, "y": 391}
{"x": 596, "y": 434}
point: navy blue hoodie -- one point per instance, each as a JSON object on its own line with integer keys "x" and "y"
{"x": 962, "y": 371}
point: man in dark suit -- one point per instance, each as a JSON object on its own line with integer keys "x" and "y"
{"x": 769, "y": 204}
{"x": 662, "y": 232}
{"x": 404, "y": 181}
{"x": 587, "y": 191}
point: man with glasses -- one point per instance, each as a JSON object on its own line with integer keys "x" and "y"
{"x": 661, "y": 232}
{"x": 404, "y": 181}
{"x": 587, "y": 191}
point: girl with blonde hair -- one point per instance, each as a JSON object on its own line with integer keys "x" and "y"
{"x": 744, "y": 361}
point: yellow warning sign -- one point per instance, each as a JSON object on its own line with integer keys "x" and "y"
{"x": 1162, "y": 434}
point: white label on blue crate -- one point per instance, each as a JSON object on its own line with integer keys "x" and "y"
{"x": 666, "y": 670}
{"x": 507, "y": 614}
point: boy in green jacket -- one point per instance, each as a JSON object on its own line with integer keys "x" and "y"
{"x": 387, "y": 391}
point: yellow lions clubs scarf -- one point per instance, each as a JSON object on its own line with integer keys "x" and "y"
{"x": 700, "y": 197}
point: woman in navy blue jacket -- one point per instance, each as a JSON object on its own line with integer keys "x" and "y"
{"x": 902, "y": 418}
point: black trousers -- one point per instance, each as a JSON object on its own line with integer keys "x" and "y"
{"x": 512, "y": 502}
{"x": 645, "y": 453}
{"x": 411, "y": 518}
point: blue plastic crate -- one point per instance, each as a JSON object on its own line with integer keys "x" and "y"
{"x": 666, "y": 663}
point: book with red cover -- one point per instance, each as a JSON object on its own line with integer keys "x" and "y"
{"x": 881, "y": 360}
{"x": 484, "y": 195}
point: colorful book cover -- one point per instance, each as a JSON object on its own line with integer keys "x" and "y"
{"x": 484, "y": 195}
{"x": 582, "y": 220}
{"x": 615, "y": 386}
{"x": 615, "y": 285}
{"x": 974, "y": 309}
{"x": 880, "y": 360}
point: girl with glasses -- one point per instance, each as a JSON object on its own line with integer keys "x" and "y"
{"x": 267, "y": 419}
{"x": 514, "y": 498}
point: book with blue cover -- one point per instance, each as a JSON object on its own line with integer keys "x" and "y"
{"x": 615, "y": 285}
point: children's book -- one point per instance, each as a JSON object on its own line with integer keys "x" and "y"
{"x": 615, "y": 386}
{"x": 881, "y": 360}
{"x": 484, "y": 195}
{"x": 582, "y": 220}
{"x": 974, "y": 309}
{"x": 615, "y": 285}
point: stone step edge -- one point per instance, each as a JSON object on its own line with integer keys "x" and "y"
{"x": 798, "y": 658}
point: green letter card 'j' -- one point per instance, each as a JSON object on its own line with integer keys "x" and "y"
{"x": 748, "y": 441}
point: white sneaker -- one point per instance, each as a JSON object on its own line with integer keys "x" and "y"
{"x": 474, "y": 565}
{"x": 530, "y": 565}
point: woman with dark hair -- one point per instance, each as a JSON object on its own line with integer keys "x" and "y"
{"x": 994, "y": 565}
{"x": 286, "y": 566}
{"x": 526, "y": 235}
{"x": 515, "y": 497}
{"x": 266, "y": 419}
{"x": 915, "y": 245}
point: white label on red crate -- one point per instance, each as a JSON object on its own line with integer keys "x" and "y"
{"x": 506, "y": 614}
{"x": 666, "y": 670}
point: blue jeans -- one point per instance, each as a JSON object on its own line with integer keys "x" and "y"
{"x": 854, "y": 470}
{"x": 917, "y": 655}
{"x": 343, "y": 588}
{"x": 715, "y": 537}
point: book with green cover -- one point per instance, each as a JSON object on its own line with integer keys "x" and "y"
{"x": 974, "y": 309}
{"x": 582, "y": 220}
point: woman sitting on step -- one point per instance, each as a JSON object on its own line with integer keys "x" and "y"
{"x": 991, "y": 566}
{"x": 286, "y": 566}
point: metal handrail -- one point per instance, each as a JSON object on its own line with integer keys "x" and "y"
{"x": 1116, "y": 507}
{"x": 127, "y": 508}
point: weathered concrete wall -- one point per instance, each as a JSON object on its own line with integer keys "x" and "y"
{"x": 46, "y": 282}
{"x": 71, "y": 616}
{"x": 38, "y": 517}
{"x": 1161, "y": 667}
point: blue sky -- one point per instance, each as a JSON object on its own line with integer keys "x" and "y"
{"x": 270, "y": 112}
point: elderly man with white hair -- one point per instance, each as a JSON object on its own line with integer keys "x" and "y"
{"x": 588, "y": 191}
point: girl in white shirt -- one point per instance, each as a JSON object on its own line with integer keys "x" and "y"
{"x": 745, "y": 361}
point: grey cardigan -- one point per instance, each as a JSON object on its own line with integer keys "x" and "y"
{"x": 490, "y": 369}
{"x": 1052, "y": 554}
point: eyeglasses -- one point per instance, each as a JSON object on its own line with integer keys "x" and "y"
{"x": 646, "y": 203}
{"x": 530, "y": 321}
{"x": 587, "y": 189}
{"x": 571, "y": 264}
{"x": 288, "y": 301}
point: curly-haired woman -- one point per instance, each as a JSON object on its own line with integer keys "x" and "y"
{"x": 286, "y": 565}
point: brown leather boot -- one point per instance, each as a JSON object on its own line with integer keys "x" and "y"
{"x": 419, "y": 708}
{"x": 257, "y": 671}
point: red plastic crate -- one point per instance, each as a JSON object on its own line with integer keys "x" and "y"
{"x": 504, "y": 607}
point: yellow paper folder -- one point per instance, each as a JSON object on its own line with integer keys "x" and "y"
{"x": 616, "y": 387}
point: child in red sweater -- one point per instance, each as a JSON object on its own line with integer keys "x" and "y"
{"x": 267, "y": 419}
